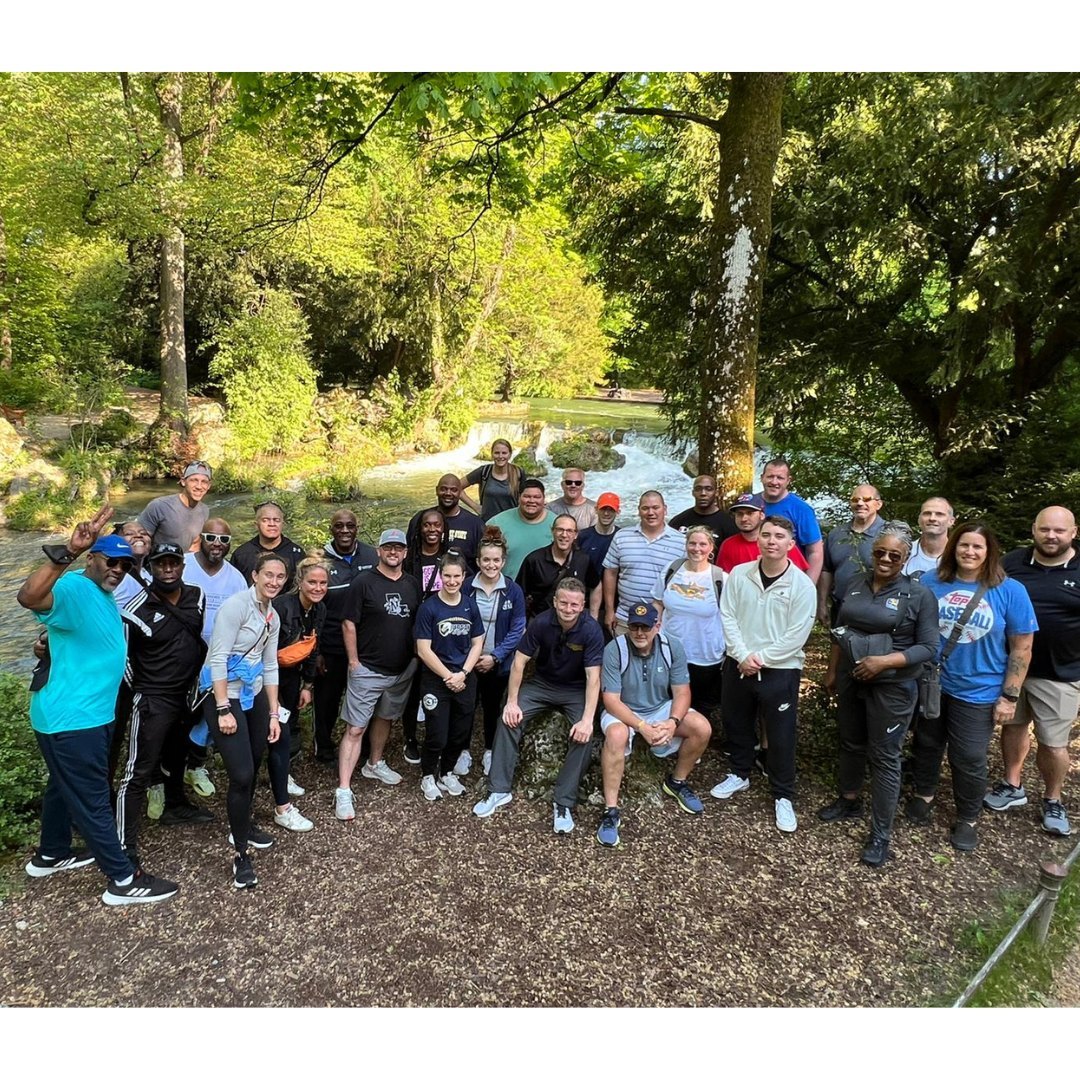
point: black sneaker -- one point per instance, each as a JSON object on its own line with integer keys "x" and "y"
{"x": 256, "y": 838}
{"x": 841, "y": 809}
{"x": 918, "y": 811}
{"x": 243, "y": 873}
{"x": 44, "y": 865}
{"x": 144, "y": 888}
{"x": 185, "y": 814}
{"x": 412, "y": 752}
{"x": 963, "y": 836}
{"x": 876, "y": 851}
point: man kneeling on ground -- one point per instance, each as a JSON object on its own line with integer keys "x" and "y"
{"x": 568, "y": 645}
{"x": 646, "y": 686}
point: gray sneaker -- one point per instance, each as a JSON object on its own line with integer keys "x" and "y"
{"x": 1055, "y": 820}
{"x": 563, "y": 820}
{"x": 1003, "y": 796}
{"x": 488, "y": 806}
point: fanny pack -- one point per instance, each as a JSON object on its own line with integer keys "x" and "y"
{"x": 297, "y": 652}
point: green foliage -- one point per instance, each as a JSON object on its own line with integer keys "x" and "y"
{"x": 22, "y": 770}
{"x": 264, "y": 368}
{"x": 583, "y": 452}
{"x": 527, "y": 460}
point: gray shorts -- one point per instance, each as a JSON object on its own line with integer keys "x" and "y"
{"x": 369, "y": 694}
{"x": 657, "y": 716}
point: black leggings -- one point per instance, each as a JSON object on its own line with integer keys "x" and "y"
{"x": 491, "y": 689}
{"x": 279, "y": 754}
{"x": 449, "y": 721}
{"x": 242, "y": 753}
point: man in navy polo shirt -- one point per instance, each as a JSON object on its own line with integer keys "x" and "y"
{"x": 1050, "y": 696}
{"x": 568, "y": 646}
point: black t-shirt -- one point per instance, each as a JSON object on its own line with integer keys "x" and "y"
{"x": 595, "y": 545}
{"x": 1055, "y": 596}
{"x": 720, "y": 521}
{"x": 540, "y": 574}
{"x": 246, "y": 557}
{"x": 464, "y": 532}
{"x": 383, "y": 612}
{"x": 562, "y": 656}
{"x": 165, "y": 645}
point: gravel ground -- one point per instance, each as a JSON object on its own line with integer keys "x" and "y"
{"x": 418, "y": 903}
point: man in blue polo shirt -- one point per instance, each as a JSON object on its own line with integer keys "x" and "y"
{"x": 568, "y": 646}
{"x": 72, "y": 713}
{"x": 646, "y": 687}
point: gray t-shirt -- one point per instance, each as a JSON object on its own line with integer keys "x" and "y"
{"x": 646, "y": 683}
{"x": 169, "y": 521}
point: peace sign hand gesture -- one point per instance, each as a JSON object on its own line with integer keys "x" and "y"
{"x": 86, "y": 532}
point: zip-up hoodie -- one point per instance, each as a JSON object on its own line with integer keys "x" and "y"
{"x": 772, "y": 623}
{"x": 341, "y": 577}
{"x": 509, "y": 618}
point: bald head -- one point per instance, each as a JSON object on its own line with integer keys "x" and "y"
{"x": 448, "y": 492}
{"x": 212, "y": 553}
{"x": 1054, "y": 533}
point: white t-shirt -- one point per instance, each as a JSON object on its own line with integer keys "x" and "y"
{"x": 692, "y": 614}
{"x": 216, "y": 587}
{"x": 918, "y": 560}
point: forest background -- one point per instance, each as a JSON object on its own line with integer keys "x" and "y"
{"x": 875, "y": 274}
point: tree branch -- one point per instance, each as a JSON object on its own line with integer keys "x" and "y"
{"x": 711, "y": 122}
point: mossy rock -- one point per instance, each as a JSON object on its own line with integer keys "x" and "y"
{"x": 581, "y": 452}
{"x": 527, "y": 460}
{"x": 543, "y": 751}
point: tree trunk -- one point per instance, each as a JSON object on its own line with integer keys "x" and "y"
{"x": 5, "y": 302}
{"x": 727, "y": 321}
{"x": 490, "y": 297}
{"x": 174, "y": 406}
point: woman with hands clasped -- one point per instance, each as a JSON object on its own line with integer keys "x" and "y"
{"x": 243, "y": 715}
{"x": 886, "y": 629}
{"x": 449, "y": 640}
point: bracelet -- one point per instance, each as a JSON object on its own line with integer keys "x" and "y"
{"x": 275, "y": 716}
{"x": 223, "y": 709}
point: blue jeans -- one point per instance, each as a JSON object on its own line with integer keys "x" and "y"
{"x": 78, "y": 794}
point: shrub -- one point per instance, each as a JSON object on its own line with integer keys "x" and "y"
{"x": 527, "y": 460}
{"x": 582, "y": 452}
{"x": 22, "y": 770}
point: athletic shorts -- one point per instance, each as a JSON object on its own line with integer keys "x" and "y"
{"x": 368, "y": 694}
{"x": 657, "y": 716}
{"x": 1051, "y": 706}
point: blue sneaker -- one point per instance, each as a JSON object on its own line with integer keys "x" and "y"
{"x": 608, "y": 833}
{"x": 683, "y": 794}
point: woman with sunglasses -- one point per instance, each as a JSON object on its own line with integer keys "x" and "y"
{"x": 302, "y": 613}
{"x": 886, "y": 629}
{"x": 243, "y": 708}
{"x": 499, "y": 483}
{"x": 981, "y": 675}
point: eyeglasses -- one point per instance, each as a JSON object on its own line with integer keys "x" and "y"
{"x": 574, "y": 483}
{"x": 887, "y": 556}
{"x": 571, "y": 532}
{"x": 217, "y": 538}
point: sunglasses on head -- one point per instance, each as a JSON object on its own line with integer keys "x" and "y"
{"x": 217, "y": 538}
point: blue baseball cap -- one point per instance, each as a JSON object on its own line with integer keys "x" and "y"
{"x": 749, "y": 501}
{"x": 113, "y": 547}
{"x": 642, "y": 614}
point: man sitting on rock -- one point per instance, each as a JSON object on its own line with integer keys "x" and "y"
{"x": 646, "y": 686}
{"x": 568, "y": 646}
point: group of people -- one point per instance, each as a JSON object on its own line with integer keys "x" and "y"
{"x": 161, "y": 647}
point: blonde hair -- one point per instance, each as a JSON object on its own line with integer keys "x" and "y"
{"x": 305, "y": 566}
{"x": 704, "y": 530}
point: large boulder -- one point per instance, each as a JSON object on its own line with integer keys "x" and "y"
{"x": 582, "y": 452}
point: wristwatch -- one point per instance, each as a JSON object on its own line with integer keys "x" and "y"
{"x": 1011, "y": 695}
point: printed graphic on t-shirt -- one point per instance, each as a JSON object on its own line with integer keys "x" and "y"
{"x": 689, "y": 589}
{"x": 951, "y": 607}
{"x": 394, "y": 605}
{"x": 454, "y": 627}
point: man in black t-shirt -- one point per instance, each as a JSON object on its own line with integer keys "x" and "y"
{"x": 378, "y": 632}
{"x": 269, "y": 521}
{"x": 1050, "y": 696}
{"x": 464, "y": 530}
{"x": 706, "y": 511}
{"x": 165, "y": 652}
{"x": 568, "y": 646}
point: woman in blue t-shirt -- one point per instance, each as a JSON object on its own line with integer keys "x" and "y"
{"x": 449, "y": 640}
{"x": 980, "y": 678}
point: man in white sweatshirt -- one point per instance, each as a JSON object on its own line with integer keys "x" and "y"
{"x": 767, "y": 608}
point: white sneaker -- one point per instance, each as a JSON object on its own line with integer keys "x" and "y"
{"x": 563, "y": 819}
{"x": 199, "y": 781}
{"x": 785, "y": 816}
{"x": 294, "y": 788}
{"x": 727, "y": 787}
{"x": 452, "y": 785}
{"x": 343, "y": 804}
{"x": 487, "y": 762}
{"x": 492, "y": 803}
{"x": 155, "y": 802}
{"x": 463, "y": 764}
{"x": 293, "y": 820}
{"x": 430, "y": 788}
{"x": 382, "y": 772}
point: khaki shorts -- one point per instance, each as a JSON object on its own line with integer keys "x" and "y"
{"x": 368, "y": 694}
{"x": 1051, "y": 706}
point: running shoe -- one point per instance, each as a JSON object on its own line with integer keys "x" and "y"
{"x": 294, "y": 821}
{"x": 199, "y": 781}
{"x": 1004, "y": 796}
{"x": 608, "y": 833}
{"x": 430, "y": 788}
{"x": 343, "y": 804}
{"x": 683, "y": 794}
{"x": 244, "y": 873}
{"x": 382, "y": 772}
{"x": 562, "y": 819}
{"x": 143, "y": 888}
{"x": 44, "y": 865}
{"x": 452, "y": 785}
{"x": 463, "y": 764}
{"x": 1055, "y": 820}
{"x": 729, "y": 786}
{"x": 786, "y": 821}
{"x": 488, "y": 806}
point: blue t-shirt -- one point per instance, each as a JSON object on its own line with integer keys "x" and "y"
{"x": 88, "y": 653}
{"x": 975, "y": 669}
{"x": 800, "y": 513}
{"x": 449, "y": 628}
{"x": 562, "y": 656}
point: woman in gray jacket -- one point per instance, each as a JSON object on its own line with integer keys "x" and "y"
{"x": 244, "y": 717}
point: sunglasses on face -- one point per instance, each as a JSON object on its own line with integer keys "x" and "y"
{"x": 888, "y": 556}
{"x": 574, "y": 483}
{"x": 113, "y": 561}
{"x": 217, "y": 538}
